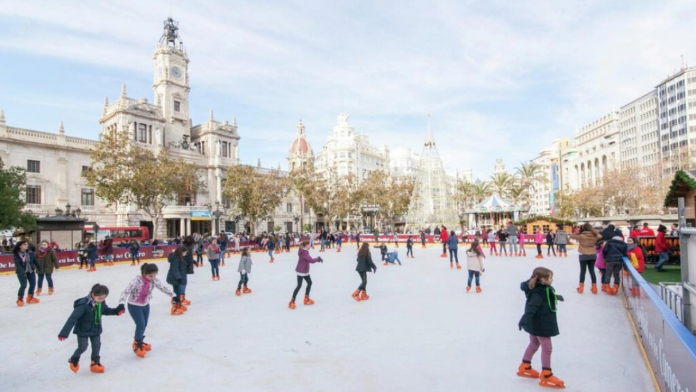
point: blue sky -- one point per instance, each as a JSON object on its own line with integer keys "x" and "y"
{"x": 501, "y": 79}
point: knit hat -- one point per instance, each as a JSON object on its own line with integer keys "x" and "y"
{"x": 618, "y": 233}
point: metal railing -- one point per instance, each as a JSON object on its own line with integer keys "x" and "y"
{"x": 673, "y": 299}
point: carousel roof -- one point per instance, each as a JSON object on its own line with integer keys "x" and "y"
{"x": 494, "y": 203}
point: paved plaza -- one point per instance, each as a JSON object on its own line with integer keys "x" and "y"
{"x": 420, "y": 331}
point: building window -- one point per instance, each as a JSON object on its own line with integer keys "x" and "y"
{"x": 33, "y": 194}
{"x": 33, "y": 166}
{"x": 289, "y": 207}
{"x": 142, "y": 133}
{"x": 225, "y": 149}
{"x": 177, "y": 106}
{"x": 87, "y": 197}
{"x": 85, "y": 169}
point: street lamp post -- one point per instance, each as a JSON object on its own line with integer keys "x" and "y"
{"x": 217, "y": 214}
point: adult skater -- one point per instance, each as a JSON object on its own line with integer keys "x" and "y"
{"x": 539, "y": 321}
{"x": 48, "y": 261}
{"x": 271, "y": 247}
{"x": 302, "y": 269}
{"x": 357, "y": 240}
{"x": 365, "y": 265}
{"x": 392, "y": 257}
{"x": 339, "y": 242}
{"x": 444, "y": 238}
{"x": 452, "y": 244}
{"x": 26, "y": 268}
{"x": 244, "y": 270}
{"x": 422, "y": 235}
{"x": 409, "y": 247}
{"x": 138, "y": 294}
{"x": 512, "y": 235}
{"x": 86, "y": 323}
{"x": 107, "y": 250}
{"x": 395, "y": 238}
{"x": 134, "y": 249}
{"x": 587, "y": 254}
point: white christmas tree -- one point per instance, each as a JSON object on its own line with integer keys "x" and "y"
{"x": 432, "y": 204}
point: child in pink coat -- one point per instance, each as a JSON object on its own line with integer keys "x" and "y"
{"x": 539, "y": 241}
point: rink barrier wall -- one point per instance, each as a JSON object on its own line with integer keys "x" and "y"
{"x": 669, "y": 346}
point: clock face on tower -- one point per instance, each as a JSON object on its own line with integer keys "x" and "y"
{"x": 176, "y": 73}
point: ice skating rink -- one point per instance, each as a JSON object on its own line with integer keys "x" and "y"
{"x": 420, "y": 331}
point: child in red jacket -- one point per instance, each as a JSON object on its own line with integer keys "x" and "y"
{"x": 634, "y": 249}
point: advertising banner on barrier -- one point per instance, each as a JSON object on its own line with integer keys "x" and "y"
{"x": 69, "y": 257}
{"x": 671, "y": 349}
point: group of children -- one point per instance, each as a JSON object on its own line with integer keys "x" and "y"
{"x": 539, "y": 319}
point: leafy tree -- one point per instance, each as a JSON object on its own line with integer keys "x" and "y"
{"x": 13, "y": 185}
{"x": 346, "y": 203}
{"x": 125, "y": 173}
{"x": 256, "y": 194}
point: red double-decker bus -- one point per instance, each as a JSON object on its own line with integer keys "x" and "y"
{"x": 118, "y": 234}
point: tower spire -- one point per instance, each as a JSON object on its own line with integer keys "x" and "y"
{"x": 61, "y": 129}
{"x": 300, "y": 128}
{"x": 123, "y": 90}
{"x": 2, "y": 116}
{"x": 211, "y": 119}
{"x": 429, "y": 139}
{"x": 106, "y": 104}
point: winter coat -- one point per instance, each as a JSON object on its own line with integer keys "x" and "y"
{"x": 132, "y": 291}
{"x": 422, "y": 237}
{"x": 474, "y": 262}
{"x": 409, "y": 243}
{"x": 304, "y": 260}
{"x": 48, "y": 262}
{"x": 503, "y": 236}
{"x": 134, "y": 248}
{"x": 21, "y": 266}
{"x": 561, "y": 237}
{"x": 84, "y": 318}
{"x": 539, "y": 317}
{"x": 213, "y": 252}
{"x": 587, "y": 241}
{"x": 271, "y": 245}
{"x": 444, "y": 236}
{"x": 549, "y": 238}
{"x": 92, "y": 251}
{"x": 661, "y": 242}
{"x": 245, "y": 264}
{"x": 491, "y": 237}
{"x": 188, "y": 261}
{"x": 108, "y": 247}
{"x": 539, "y": 238}
{"x": 636, "y": 250}
{"x": 177, "y": 270}
{"x": 383, "y": 249}
{"x": 365, "y": 264}
{"x": 512, "y": 230}
{"x": 452, "y": 242}
{"x": 615, "y": 250}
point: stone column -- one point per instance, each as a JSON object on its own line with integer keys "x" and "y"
{"x": 188, "y": 226}
{"x": 182, "y": 227}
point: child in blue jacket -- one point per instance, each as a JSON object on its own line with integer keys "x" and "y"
{"x": 86, "y": 319}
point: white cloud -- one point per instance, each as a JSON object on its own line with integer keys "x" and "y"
{"x": 479, "y": 68}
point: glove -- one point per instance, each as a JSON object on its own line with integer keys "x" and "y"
{"x": 560, "y": 298}
{"x": 374, "y": 270}
{"x": 520, "y": 325}
{"x": 120, "y": 309}
{"x": 321, "y": 260}
{"x": 243, "y": 271}
{"x": 62, "y": 338}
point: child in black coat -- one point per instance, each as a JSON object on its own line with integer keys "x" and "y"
{"x": 539, "y": 320}
{"x": 86, "y": 320}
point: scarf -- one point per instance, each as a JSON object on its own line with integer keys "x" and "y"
{"x": 145, "y": 290}
{"x": 42, "y": 253}
{"x": 632, "y": 246}
{"x": 97, "y": 309}
{"x": 27, "y": 264}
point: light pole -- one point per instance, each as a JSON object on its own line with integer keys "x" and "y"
{"x": 217, "y": 214}
{"x": 296, "y": 218}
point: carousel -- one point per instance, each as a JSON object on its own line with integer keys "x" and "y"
{"x": 493, "y": 212}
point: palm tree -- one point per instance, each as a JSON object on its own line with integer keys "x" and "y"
{"x": 501, "y": 183}
{"x": 465, "y": 193}
{"x": 519, "y": 194}
{"x": 480, "y": 191}
{"x": 529, "y": 173}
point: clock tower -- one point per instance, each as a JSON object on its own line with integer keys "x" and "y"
{"x": 171, "y": 84}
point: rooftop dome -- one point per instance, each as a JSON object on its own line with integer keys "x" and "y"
{"x": 300, "y": 146}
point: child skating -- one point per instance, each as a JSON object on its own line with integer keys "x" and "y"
{"x": 539, "y": 320}
{"x": 138, "y": 294}
{"x": 213, "y": 253}
{"x": 409, "y": 247}
{"x": 549, "y": 243}
{"x": 365, "y": 265}
{"x": 302, "y": 269}
{"x": 244, "y": 270}
{"x": 521, "y": 237}
{"x": 539, "y": 241}
{"x": 491, "y": 242}
{"x": 474, "y": 263}
{"x": 86, "y": 323}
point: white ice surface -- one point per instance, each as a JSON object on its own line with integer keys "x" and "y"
{"x": 420, "y": 331}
